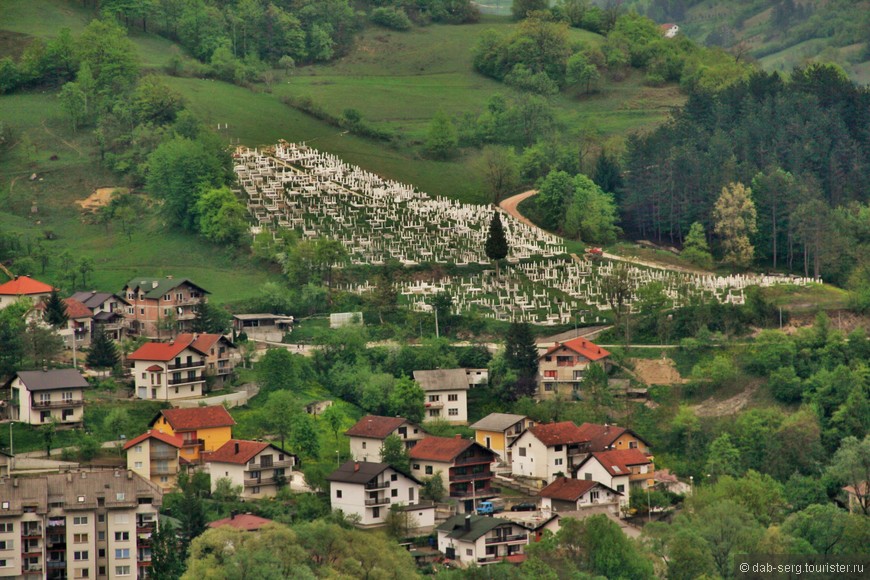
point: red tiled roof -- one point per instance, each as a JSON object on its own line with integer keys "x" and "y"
{"x": 238, "y": 451}
{"x": 244, "y": 522}
{"x": 619, "y": 461}
{"x": 163, "y": 351}
{"x": 201, "y": 342}
{"x": 375, "y": 427}
{"x": 173, "y": 440}
{"x": 443, "y": 449}
{"x": 515, "y": 558}
{"x": 154, "y": 369}
{"x": 568, "y": 489}
{"x": 602, "y": 436}
{"x": 564, "y": 433}
{"x": 198, "y": 418}
{"x": 24, "y": 286}
{"x": 75, "y": 309}
{"x": 582, "y": 347}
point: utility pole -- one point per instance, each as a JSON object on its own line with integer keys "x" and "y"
{"x": 437, "y": 334}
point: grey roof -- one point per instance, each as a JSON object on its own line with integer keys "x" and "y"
{"x": 265, "y": 316}
{"x": 498, "y": 422}
{"x": 94, "y": 299}
{"x": 51, "y": 379}
{"x": 104, "y": 316}
{"x": 362, "y": 472}
{"x": 163, "y": 286}
{"x": 455, "y": 526}
{"x": 442, "y": 379}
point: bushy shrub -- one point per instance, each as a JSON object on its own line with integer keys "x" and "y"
{"x": 391, "y": 18}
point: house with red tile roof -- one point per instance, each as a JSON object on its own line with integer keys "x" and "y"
{"x": 606, "y": 437}
{"x": 221, "y": 356}
{"x": 201, "y": 428}
{"x": 244, "y": 522}
{"x": 165, "y": 371}
{"x": 563, "y": 366}
{"x": 154, "y": 301}
{"x": 155, "y": 455}
{"x": 464, "y": 466}
{"x": 548, "y": 450}
{"x": 568, "y": 495}
{"x": 367, "y": 436}
{"x": 258, "y": 467}
{"x": 619, "y": 469}
{"x": 108, "y": 311}
{"x": 23, "y": 286}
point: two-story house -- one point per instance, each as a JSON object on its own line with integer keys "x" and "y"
{"x": 606, "y": 437}
{"x": 368, "y": 489}
{"x": 23, "y": 286}
{"x": 367, "y": 436}
{"x": 154, "y": 455}
{"x": 480, "y": 540}
{"x": 497, "y": 431}
{"x": 201, "y": 429}
{"x": 260, "y": 468}
{"x": 563, "y": 366}
{"x": 165, "y": 371}
{"x": 464, "y": 467}
{"x": 548, "y": 450}
{"x": 568, "y": 495}
{"x": 446, "y": 394}
{"x": 155, "y": 302}
{"x": 619, "y": 469}
{"x": 221, "y": 356}
{"x": 107, "y": 312}
{"x": 39, "y": 397}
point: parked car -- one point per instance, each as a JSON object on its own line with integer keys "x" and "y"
{"x": 524, "y": 507}
{"x": 488, "y": 508}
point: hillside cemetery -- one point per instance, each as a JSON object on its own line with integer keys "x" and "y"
{"x": 295, "y": 186}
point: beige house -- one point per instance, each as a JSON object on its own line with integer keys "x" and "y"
{"x": 446, "y": 394}
{"x": 38, "y": 397}
{"x": 221, "y": 356}
{"x": 367, "y": 436}
{"x": 563, "y": 366}
{"x": 83, "y": 524}
{"x": 154, "y": 455}
{"x": 259, "y": 468}
{"x": 570, "y": 495}
{"x": 164, "y": 371}
{"x": 480, "y": 540}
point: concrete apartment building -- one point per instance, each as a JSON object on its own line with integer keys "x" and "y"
{"x": 155, "y": 301}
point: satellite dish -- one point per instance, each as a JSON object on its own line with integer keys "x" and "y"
{"x": 180, "y": 310}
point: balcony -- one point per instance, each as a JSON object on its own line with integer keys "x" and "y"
{"x": 185, "y": 381}
{"x": 376, "y": 485}
{"x": 473, "y": 460}
{"x": 549, "y": 378}
{"x": 253, "y": 482}
{"x": 31, "y": 532}
{"x": 508, "y": 539}
{"x": 187, "y": 365}
{"x": 489, "y": 560}
{"x": 57, "y": 404}
{"x": 32, "y": 552}
{"x": 164, "y": 470}
{"x": 56, "y": 564}
{"x": 470, "y": 476}
{"x": 275, "y": 465}
{"x": 33, "y": 569}
{"x": 435, "y": 405}
{"x": 167, "y": 455}
{"x": 190, "y": 443}
{"x": 378, "y": 501}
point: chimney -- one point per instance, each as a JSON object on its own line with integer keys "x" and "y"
{"x": 233, "y": 514}
{"x": 237, "y": 447}
{"x": 154, "y": 284}
{"x": 468, "y": 523}
{"x": 356, "y": 466}
{"x": 457, "y": 436}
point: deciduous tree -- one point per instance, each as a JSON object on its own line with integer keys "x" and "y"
{"x": 734, "y": 218}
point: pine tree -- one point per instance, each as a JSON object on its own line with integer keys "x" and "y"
{"x": 496, "y": 247}
{"x": 695, "y": 248}
{"x": 201, "y": 316}
{"x": 103, "y": 352}
{"x": 734, "y": 217}
{"x": 521, "y": 355}
{"x": 55, "y": 310}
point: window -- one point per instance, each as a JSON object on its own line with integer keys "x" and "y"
{"x": 452, "y": 397}
{"x": 469, "y": 552}
{"x": 101, "y": 518}
{"x": 144, "y": 375}
{"x": 101, "y": 536}
{"x": 122, "y": 536}
{"x": 394, "y": 492}
{"x": 364, "y": 444}
{"x": 81, "y": 499}
{"x": 7, "y": 544}
{"x": 548, "y": 387}
{"x": 80, "y": 521}
{"x": 120, "y": 496}
{"x": 256, "y": 489}
{"x": 82, "y": 573}
{"x": 522, "y": 451}
{"x": 164, "y": 479}
{"x": 137, "y": 465}
{"x": 632, "y": 444}
{"x": 558, "y": 448}
{"x": 376, "y": 512}
{"x": 138, "y": 449}
{"x": 101, "y": 571}
{"x": 4, "y": 564}
{"x": 593, "y": 495}
{"x": 101, "y": 553}
{"x": 548, "y": 358}
{"x": 434, "y": 412}
{"x": 587, "y": 476}
{"x": 453, "y": 412}
{"x": 558, "y": 461}
{"x": 122, "y": 554}
{"x": 80, "y": 538}
{"x": 82, "y": 555}
{"x": 410, "y": 494}
{"x": 620, "y": 488}
{"x": 337, "y": 494}
{"x": 122, "y": 570}
{"x": 7, "y": 527}
{"x": 428, "y": 470}
{"x": 415, "y": 466}
{"x": 434, "y": 398}
{"x": 142, "y": 311}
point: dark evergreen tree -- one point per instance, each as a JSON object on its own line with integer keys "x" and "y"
{"x": 167, "y": 553}
{"x": 103, "y": 352}
{"x": 208, "y": 318}
{"x": 55, "y": 310}
{"x": 607, "y": 173}
{"x": 521, "y": 355}
{"x": 496, "y": 247}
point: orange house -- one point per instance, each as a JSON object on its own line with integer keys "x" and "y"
{"x": 202, "y": 429}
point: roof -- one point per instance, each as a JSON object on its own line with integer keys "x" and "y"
{"x": 375, "y": 427}
{"x": 203, "y": 341}
{"x": 568, "y": 489}
{"x": 197, "y": 418}
{"x": 442, "y": 380}
{"x": 602, "y": 436}
{"x": 154, "y": 369}
{"x": 563, "y": 433}
{"x": 47, "y": 380}
{"x": 244, "y": 522}
{"x": 442, "y": 449}
{"x": 362, "y": 472}
{"x": 239, "y": 451}
{"x": 618, "y": 461}
{"x": 173, "y": 440}
{"x": 480, "y": 525}
{"x": 581, "y": 346}
{"x": 155, "y": 288}
{"x": 95, "y": 299}
{"x": 164, "y": 351}
{"x": 265, "y": 316}
{"x": 497, "y": 422}
{"x": 24, "y": 286}
{"x": 75, "y": 309}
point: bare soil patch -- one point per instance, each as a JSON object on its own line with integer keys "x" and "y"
{"x": 661, "y": 371}
{"x": 730, "y": 406}
{"x": 99, "y": 198}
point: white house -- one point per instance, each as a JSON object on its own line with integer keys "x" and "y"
{"x": 669, "y": 30}
{"x": 618, "y": 469}
{"x": 568, "y": 495}
{"x": 367, "y": 436}
{"x": 446, "y": 394}
{"x": 38, "y": 397}
{"x": 23, "y": 286}
{"x": 260, "y": 468}
{"x": 547, "y": 451}
{"x": 480, "y": 540}
{"x": 369, "y": 489}
{"x": 164, "y": 371}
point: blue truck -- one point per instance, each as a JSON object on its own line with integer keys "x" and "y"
{"x": 488, "y": 508}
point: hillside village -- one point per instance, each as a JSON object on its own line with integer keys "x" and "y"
{"x": 385, "y": 289}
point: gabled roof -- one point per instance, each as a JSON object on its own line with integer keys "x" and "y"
{"x": 601, "y": 437}
{"x": 76, "y": 309}
{"x": 497, "y": 422}
{"x": 197, "y": 418}
{"x": 362, "y": 472}
{"x": 244, "y": 522}
{"x": 239, "y": 451}
{"x": 442, "y": 380}
{"x": 582, "y": 347}
{"x": 375, "y": 426}
{"x": 95, "y": 299}
{"x": 618, "y": 461}
{"x": 442, "y": 449}
{"x": 568, "y": 489}
{"x": 24, "y": 286}
{"x": 203, "y": 341}
{"x": 154, "y": 369}
{"x": 164, "y": 351}
{"x": 155, "y": 288}
{"x": 480, "y": 525}
{"x": 173, "y": 440}
{"x": 47, "y": 380}
{"x": 564, "y": 433}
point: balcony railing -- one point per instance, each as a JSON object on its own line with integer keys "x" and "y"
{"x": 33, "y": 569}
{"x": 489, "y": 560}
{"x": 275, "y": 465}
{"x": 376, "y": 485}
{"x": 163, "y": 455}
{"x": 259, "y": 481}
{"x": 56, "y": 564}
{"x": 164, "y": 470}
{"x": 187, "y": 365}
{"x": 35, "y": 531}
{"x": 471, "y": 476}
{"x": 435, "y": 405}
{"x": 474, "y": 459}
{"x": 378, "y": 501}
{"x": 193, "y": 443}
{"x": 57, "y": 404}
{"x": 508, "y": 539}
{"x": 185, "y": 381}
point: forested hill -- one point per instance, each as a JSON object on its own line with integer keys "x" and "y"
{"x": 800, "y": 142}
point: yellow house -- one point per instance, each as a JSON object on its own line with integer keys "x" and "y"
{"x": 201, "y": 429}
{"x": 497, "y": 431}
